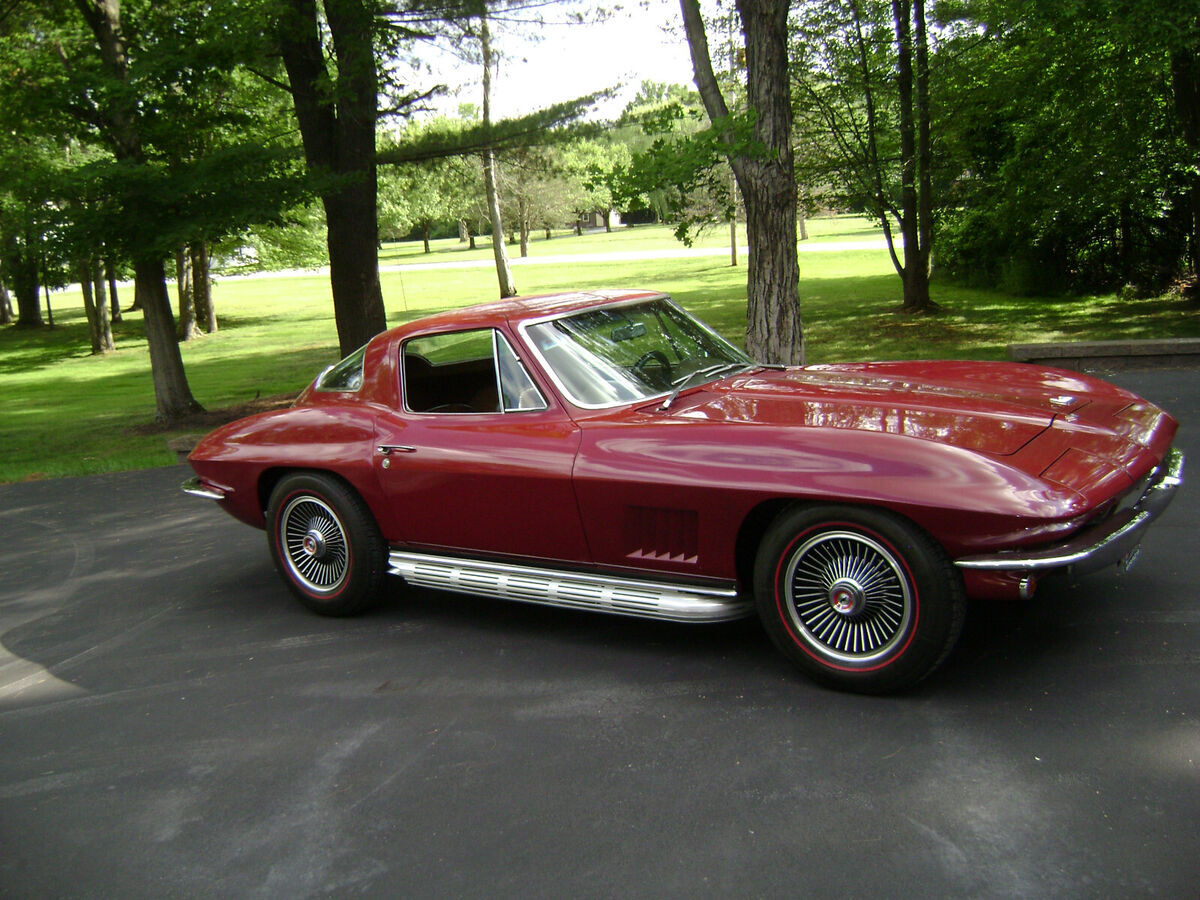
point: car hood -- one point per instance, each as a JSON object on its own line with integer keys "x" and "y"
{"x": 995, "y": 408}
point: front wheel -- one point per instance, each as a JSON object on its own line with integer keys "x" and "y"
{"x": 858, "y": 598}
{"x": 325, "y": 544}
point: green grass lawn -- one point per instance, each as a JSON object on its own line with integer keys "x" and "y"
{"x": 66, "y": 412}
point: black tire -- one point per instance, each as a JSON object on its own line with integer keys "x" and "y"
{"x": 325, "y": 544}
{"x": 858, "y": 598}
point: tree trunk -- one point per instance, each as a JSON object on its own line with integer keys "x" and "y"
{"x": 523, "y": 225}
{"x": 173, "y": 397}
{"x": 206, "y": 313}
{"x": 499, "y": 252}
{"x": 1185, "y": 88}
{"x": 95, "y": 306}
{"x": 464, "y": 234}
{"x": 337, "y": 118}
{"x": 89, "y": 305}
{"x": 22, "y": 271}
{"x": 187, "y": 329}
{"x": 110, "y": 276}
{"x": 103, "y": 322}
{"x": 6, "y": 310}
{"x": 425, "y": 230}
{"x": 29, "y": 307}
{"x": 503, "y": 270}
{"x": 774, "y": 331}
{"x": 914, "y": 141}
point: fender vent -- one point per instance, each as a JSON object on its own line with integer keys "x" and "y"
{"x": 670, "y": 535}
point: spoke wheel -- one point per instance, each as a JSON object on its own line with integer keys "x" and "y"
{"x": 325, "y": 543}
{"x": 860, "y": 599}
{"x": 848, "y": 596}
{"x": 314, "y": 544}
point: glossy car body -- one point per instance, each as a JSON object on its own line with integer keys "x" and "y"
{"x": 855, "y": 505}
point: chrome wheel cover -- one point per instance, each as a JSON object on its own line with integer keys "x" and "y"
{"x": 314, "y": 546}
{"x": 847, "y": 597}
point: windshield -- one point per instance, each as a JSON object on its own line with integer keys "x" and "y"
{"x": 630, "y": 352}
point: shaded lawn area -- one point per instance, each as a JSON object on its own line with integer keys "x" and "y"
{"x": 66, "y": 412}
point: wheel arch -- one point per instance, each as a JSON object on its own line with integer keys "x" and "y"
{"x": 759, "y": 520}
{"x": 269, "y": 478}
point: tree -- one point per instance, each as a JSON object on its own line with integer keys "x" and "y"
{"x": 863, "y": 121}
{"x": 1071, "y": 127}
{"x": 334, "y": 91}
{"x": 95, "y": 304}
{"x": 593, "y": 168}
{"x": 503, "y": 271}
{"x": 21, "y": 239}
{"x": 122, "y": 126}
{"x": 912, "y": 86}
{"x": 418, "y": 196}
{"x": 331, "y": 51}
{"x": 156, "y": 148}
{"x": 682, "y": 175}
{"x": 763, "y": 167}
{"x": 6, "y": 310}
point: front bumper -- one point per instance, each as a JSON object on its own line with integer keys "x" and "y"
{"x": 1111, "y": 542}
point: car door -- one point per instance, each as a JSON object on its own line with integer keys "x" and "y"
{"x": 477, "y": 460}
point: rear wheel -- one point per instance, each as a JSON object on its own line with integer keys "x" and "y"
{"x": 858, "y": 598}
{"x": 325, "y": 543}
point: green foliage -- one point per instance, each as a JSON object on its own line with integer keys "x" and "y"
{"x": 846, "y": 107}
{"x": 1067, "y": 135}
{"x": 297, "y": 242}
{"x": 683, "y": 173}
{"x": 211, "y": 157}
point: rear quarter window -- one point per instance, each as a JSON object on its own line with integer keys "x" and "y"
{"x": 346, "y": 375}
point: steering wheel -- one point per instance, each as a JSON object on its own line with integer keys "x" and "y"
{"x": 451, "y": 408}
{"x": 652, "y": 356}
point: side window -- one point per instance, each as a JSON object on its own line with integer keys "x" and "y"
{"x": 516, "y": 387}
{"x": 451, "y": 373}
{"x": 466, "y": 372}
{"x": 346, "y": 375}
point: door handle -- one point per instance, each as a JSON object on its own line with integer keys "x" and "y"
{"x": 389, "y": 449}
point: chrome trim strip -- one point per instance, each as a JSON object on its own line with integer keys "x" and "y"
{"x": 1101, "y": 545}
{"x": 198, "y": 488}
{"x": 572, "y": 590}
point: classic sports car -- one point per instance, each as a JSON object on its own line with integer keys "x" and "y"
{"x": 606, "y": 451}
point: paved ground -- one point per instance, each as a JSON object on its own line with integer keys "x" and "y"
{"x": 172, "y": 724}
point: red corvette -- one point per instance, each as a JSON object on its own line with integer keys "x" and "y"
{"x": 606, "y": 451}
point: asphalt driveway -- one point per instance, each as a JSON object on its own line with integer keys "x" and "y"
{"x": 172, "y": 723}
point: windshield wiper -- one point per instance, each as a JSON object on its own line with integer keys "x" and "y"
{"x": 692, "y": 377}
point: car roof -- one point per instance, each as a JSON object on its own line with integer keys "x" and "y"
{"x": 517, "y": 309}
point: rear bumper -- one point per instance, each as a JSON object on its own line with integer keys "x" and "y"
{"x": 1110, "y": 542}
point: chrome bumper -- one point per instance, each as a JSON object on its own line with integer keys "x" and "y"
{"x": 1113, "y": 541}
{"x": 197, "y": 487}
